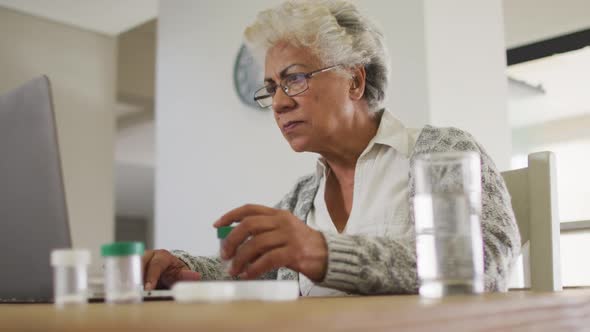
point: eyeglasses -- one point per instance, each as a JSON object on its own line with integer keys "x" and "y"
{"x": 293, "y": 85}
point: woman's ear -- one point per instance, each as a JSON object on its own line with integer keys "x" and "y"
{"x": 357, "y": 82}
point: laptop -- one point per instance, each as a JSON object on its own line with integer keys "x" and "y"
{"x": 33, "y": 212}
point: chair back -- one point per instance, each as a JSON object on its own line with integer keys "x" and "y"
{"x": 534, "y": 200}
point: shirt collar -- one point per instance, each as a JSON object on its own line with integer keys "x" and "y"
{"x": 393, "y": 133}
{"x": 321, "y": 167}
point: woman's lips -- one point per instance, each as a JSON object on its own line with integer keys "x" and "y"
{"x": 291, "y": 125}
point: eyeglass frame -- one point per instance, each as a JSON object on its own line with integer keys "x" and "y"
{"x": 307, "y": 77}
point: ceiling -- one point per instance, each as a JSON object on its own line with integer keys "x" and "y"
{"x": 554, "y": 87}
{"x": 526, "y": 21}
{"x": 564, "y": 80}
{"x": 529, "y": 21}
{"x": 109, "y": 17}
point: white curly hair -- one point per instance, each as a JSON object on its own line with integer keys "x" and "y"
{"x": 334, "y": 30}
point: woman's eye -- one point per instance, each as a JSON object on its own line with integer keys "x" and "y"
{"x": 294, "y": 78}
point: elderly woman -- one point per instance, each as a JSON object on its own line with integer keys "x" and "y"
{"x": 346, "y": 228}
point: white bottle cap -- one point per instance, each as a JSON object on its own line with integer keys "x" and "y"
{"x": 70, "y": 257}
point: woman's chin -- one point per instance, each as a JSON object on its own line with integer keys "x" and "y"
{"x": 298, "y": 145}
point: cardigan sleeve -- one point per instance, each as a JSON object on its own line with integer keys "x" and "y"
{"x": 209, "y": 267}
{"x": 370, "y": 265}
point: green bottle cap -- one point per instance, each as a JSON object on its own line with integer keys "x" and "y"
{"x": 223, "y": 232}
{"x": 122, "y": 249}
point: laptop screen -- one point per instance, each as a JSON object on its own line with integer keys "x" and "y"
{"x": 33, "y": 214}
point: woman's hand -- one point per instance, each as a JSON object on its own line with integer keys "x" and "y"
{"x": 161, "y": 269}
{"x": 267, "y": 239}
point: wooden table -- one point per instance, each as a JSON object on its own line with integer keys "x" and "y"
{"x": 515, "y": 311}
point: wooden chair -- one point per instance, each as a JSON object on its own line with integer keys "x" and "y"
{"x": 534, "y": 201}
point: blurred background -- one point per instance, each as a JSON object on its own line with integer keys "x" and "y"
{"x": 158, "y": 137}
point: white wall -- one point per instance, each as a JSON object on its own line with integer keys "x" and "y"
{"x": 529, "y": 21}
{"x": 214, "y": 154}
{"x": 569, "y": 139}
{"x": 81, "y": 66}
{"x": 468, "y": 85}
{"x": 445, "y": 72}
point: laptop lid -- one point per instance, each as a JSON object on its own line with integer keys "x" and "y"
{"x": 33, "y": 214}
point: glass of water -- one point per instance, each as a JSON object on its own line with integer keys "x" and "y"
{"x": 447, "y": 209}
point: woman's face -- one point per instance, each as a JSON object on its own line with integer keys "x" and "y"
{"x": 311, "y": 119}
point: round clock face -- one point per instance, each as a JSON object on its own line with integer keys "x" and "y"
{"x": 248, "y": 77}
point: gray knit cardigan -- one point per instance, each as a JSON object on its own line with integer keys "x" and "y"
{"x": 361, "y": 264}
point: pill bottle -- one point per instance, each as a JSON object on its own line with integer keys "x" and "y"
{"x": 123, "y": 275}
{"x": 70, "y": 276}
{"x": 222, "y": 233}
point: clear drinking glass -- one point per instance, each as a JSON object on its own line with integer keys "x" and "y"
{"x": 447, "y": 209}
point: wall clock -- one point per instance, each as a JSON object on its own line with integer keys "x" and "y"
{"x": 248, "y": 77}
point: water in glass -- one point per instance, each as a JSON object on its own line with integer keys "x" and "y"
{"x": 449, "y": 249}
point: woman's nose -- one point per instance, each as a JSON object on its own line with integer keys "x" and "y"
{"x": 281, "y": 102}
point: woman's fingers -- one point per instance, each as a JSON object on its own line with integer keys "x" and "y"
{"x": 145, "y": 260}
{"x": 269, "y": 261}
{"x": 163, "y": 268}
{"x": 255, "y": 247}
{"x": 176, "y": 273}
{"x": 249, "y": 226}
{"x": 154, "y": 270}
{"x": 267, "y": 238}
{"x": 242, "y": 212}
